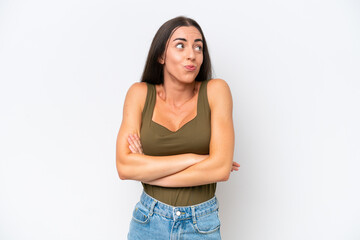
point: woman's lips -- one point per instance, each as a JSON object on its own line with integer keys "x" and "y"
{"x": 190, "y": 67}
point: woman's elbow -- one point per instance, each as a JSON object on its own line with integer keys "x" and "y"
{"x": 225, "y": 175}
{"x": 220, "y": 172}
{"x": 122, "y": 173}
{"x": 121, "y": 169}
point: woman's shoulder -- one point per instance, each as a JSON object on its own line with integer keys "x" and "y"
{"x": 218, "y": 93}
{"x": 138, "y": 87}
{"x": 217, "y": 83}
{"x": 137, "y": 93}
{"x": 217, "y": 88}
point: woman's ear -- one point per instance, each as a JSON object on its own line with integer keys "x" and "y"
{"x": 161, "y": 60}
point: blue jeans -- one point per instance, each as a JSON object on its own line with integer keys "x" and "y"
{"x": 153, "y": 219}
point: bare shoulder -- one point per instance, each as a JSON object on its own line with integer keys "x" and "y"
{"x": 138, "y": 88}
{"x": 218, "y": 92}
{"x": 136, "y": 95}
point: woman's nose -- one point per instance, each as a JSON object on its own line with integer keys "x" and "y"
{"x": 190, "y": 54}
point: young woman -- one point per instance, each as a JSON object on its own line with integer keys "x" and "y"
{"x": 177, "y": 137}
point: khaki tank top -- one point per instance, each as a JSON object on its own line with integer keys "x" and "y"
{"x": 193, "y": 137}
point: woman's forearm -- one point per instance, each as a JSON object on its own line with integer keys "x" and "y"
{"x": 204, "y": 172}
{"x": 178, "y": 174}
{"x": 134, "y": 166}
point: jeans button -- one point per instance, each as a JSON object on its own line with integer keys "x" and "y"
{"x": 178, "y": 213}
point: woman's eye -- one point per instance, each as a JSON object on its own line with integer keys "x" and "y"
{"x": 198, "y": 48}
{"x": 179, "y": 45}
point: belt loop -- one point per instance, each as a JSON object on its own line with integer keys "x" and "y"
{"x": 152, "y": 207}
{"x": 193, "y": 214}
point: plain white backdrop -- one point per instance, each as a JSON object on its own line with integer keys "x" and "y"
{"x": 292, "y": 66}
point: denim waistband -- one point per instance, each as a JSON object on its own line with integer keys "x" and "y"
{"x": 181, "y": 212}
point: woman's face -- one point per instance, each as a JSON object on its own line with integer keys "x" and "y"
{"x": 184, "y": 55}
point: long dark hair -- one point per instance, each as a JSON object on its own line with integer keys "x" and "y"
{"x": 153, "y": 71}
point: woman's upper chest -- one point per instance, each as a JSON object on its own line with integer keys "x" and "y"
{"x": 192, "y": 135}
{"x": 172, "y": 116}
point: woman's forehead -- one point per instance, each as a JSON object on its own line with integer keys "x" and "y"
{"x": 186, "y": 32}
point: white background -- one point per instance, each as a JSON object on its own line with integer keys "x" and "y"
{"x": 292, "y": 66}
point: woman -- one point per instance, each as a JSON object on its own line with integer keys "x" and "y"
{"x": 177, "y": 137}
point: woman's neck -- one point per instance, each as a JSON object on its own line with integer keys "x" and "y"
{"x": 177, "y": 93}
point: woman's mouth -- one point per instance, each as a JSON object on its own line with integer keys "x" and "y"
{"x": 190, "y": 67}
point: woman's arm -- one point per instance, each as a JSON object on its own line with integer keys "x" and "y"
{"x": 218, "y": 165}
{"x": 137, "y": 166}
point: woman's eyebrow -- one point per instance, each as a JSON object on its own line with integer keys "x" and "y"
{"x": 183, "y": 39}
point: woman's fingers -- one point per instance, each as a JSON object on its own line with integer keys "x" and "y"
{"x": 132, "y": 149}
{"x": 135, "y": 144}
{"x": 131, "y": 145}
{"x": 235, "y": 166}
{"x": 138, "y": 143}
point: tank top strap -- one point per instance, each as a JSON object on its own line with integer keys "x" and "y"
{"x": 149, "y": 103}
{"x": 203, "y": 103}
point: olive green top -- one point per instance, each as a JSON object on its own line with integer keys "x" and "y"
{"x": 193, "y": 137}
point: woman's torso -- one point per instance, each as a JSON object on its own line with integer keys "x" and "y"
{"x": 192, "y": 137}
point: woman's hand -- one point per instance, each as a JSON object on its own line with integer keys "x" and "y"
{"x": 235, "y": 166}
{"x": 135, "y": 144}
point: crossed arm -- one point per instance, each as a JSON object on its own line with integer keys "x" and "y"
{"x": 184, "y": 169}
{"x": 180, "y": 179}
